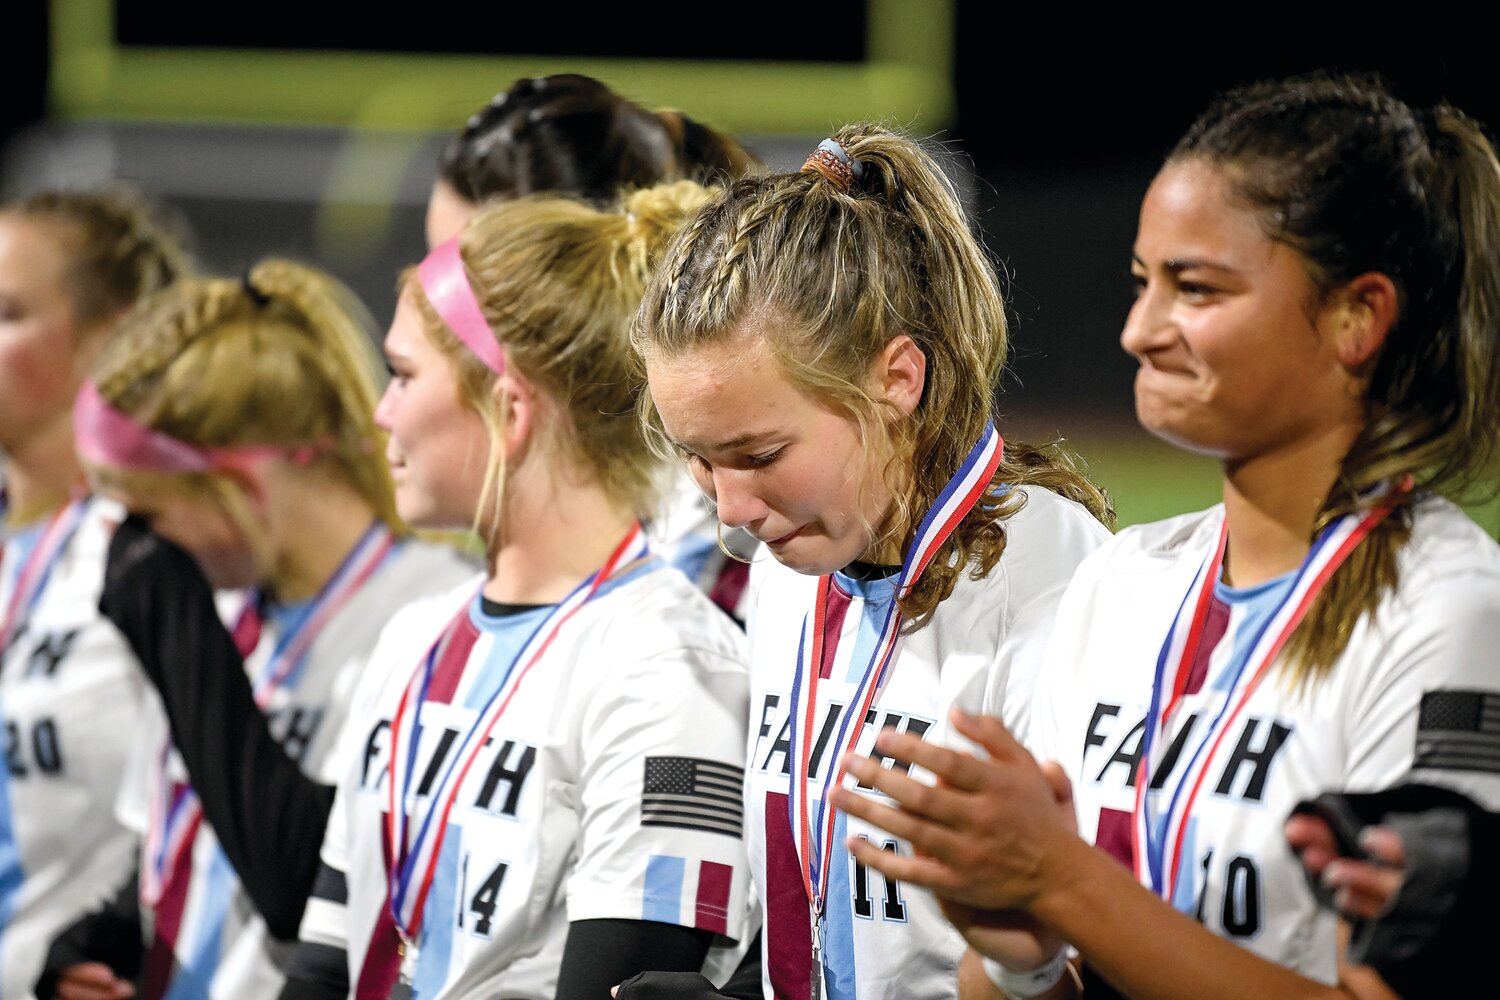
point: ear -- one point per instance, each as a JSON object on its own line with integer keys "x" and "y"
{"x": 899, "y": 374}
{"x": 89, "y": 340}
{"x": 1368, "y": 306}
{"x": 518, "y": 403}
{"x": 251, "y": 480}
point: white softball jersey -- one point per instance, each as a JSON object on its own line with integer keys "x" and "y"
{"x": 880, "y": 939}
{"x": 71, "y": 696}
{"x": 608, "y": 788}
{"x": 220, "y": 947}
{"x": 1414, "y": 696}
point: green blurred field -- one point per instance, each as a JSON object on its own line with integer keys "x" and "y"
{"x": 1149, "y": 479}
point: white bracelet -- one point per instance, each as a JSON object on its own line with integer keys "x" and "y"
{"x": 1028, "y": 984}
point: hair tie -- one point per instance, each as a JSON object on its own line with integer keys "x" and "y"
{"x": 260, "y": 298}
{"x": 446, "y": 286}
{"x": 833, "y": 161}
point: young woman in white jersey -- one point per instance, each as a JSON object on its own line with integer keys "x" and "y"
{"x": 822, "y": 347}
{"x": 233, "y": 417}
{"x": 544, "y": 793}
{"x": 571, "y": 134}
{"x": 1318, "y": 288}
{"x": 71, "y": 263}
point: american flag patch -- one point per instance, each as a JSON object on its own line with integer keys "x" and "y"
{"x": 1459, "y": 731}
{"x": 694, "y": 794}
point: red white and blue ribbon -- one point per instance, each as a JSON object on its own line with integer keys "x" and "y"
{"x": 36, "y": 570}
{"x": 812, "y": 833}
{"x": 358, "y": 566}
{"x": 416, "y": 841}
{"x": 175, "y": 812}
{"x": 176, "y": 816}
{"x": 1158, "y": 831}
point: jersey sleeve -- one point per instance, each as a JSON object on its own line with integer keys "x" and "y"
{"x": 661, "y": 793}
{"x": 1430, "y": 709}
{"x": 1045, "y": 543}
{"x": 1062, "y": 654}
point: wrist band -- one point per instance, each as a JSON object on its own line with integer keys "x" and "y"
{"x": 1031, "y": 983}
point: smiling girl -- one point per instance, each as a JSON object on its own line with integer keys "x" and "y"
{"x": 545, "y": 792}
{"x": 570, "y": 134}
{"x": 1317, "y": 289}
{"x": 822, "y": 348}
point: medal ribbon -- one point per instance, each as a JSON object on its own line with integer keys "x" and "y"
{"x": 414, "y": 857}
{"x": 32, "y": 577}
{"x": 1157, "y": 838}
{"x": 176, "y": 812}
{"x": 173, "y": 811}
{"x": 358, "y": 566}
{"x": 813, "y": 836}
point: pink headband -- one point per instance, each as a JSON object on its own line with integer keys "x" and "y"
{"x": 447, "y": 288}
{"x": 105, "y": 436}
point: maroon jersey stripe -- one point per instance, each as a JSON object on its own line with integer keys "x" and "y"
{"x": 788, "y": 930}
{"x": 452, "y": 658}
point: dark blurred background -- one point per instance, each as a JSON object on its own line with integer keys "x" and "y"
{"x": 315, "y": 137}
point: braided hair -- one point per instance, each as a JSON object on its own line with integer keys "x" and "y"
{"x": 284, "y": 356}
{"x": 840, "y": 267}
{"x": 571, "y": 134}
{"x": 119, "y": 247}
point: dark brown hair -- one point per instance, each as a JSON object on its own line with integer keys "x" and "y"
{"x": 571, "y": 134}
{"x": 1357, "y": 181}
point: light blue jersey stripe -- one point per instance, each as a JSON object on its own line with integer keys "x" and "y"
{"x": 1256, "y": 606}
{"x": 12, "y": 875}
{"x": 198, "y": 967}
{"x": 874, "y": 596}
{"x": 437, "y": 918}
{"x": 663, "y": 895}
{"x": 691, "y": 557}
{"x": 1185, "y": 892}
{"x": 838, "y": 923}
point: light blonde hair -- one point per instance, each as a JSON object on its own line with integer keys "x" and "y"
{"x": 839, "y": 273}
{"x": 283, "y": 357}
{"x": 558, "y": 282}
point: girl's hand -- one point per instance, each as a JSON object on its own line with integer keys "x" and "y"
{"x": 983, "y": 837}
{"x": 92, "y": 981}
{"x": 1362, "y": 888}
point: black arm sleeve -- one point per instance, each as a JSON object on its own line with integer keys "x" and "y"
{"x": 744, "y": 984}
{"x": 111, "y": 934}
{"x": 297, "y": 988}
{"x": 321, "y": 971}
{"x": 268, "y": 816}
{"x": 600, "y": 954}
